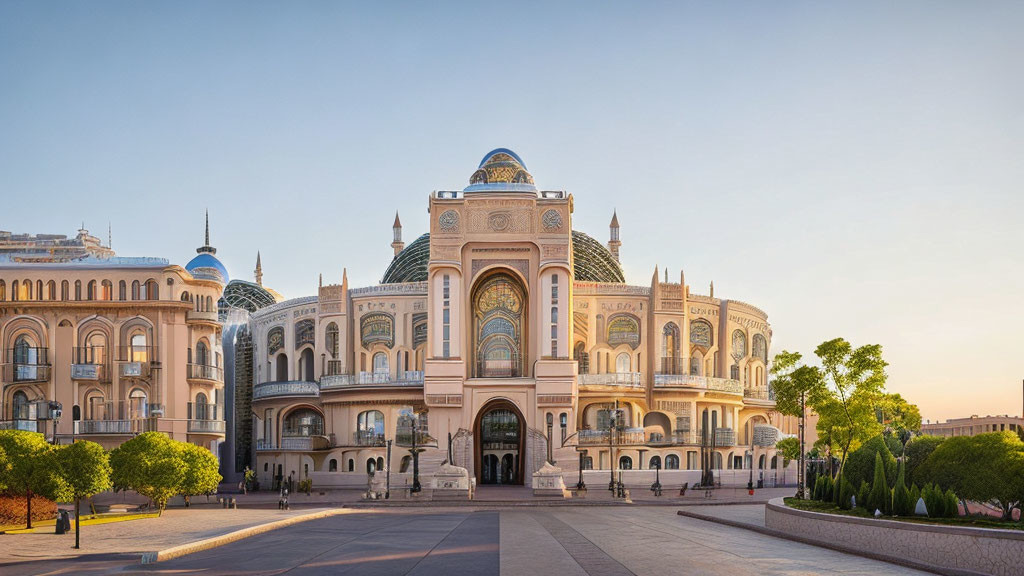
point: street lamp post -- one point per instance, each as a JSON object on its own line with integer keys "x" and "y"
{"x": 580, "y": 486}
{"x": 387, "y": 475}
{"x": 415, "y": 458}
{"x": 551, "y": 423}
{"x": 611, "y": 449}
{"x": 801, "y": 476}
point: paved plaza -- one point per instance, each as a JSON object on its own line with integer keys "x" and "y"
{"x": 591, "y": 540}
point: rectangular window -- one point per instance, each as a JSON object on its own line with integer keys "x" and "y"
{"x": 446, "y": 318}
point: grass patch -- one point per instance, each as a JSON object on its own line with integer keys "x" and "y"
{"x": 962, "y": 521}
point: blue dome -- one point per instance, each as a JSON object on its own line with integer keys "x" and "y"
{"x": 206, "y": 260}
{"x": 501, "y": 170}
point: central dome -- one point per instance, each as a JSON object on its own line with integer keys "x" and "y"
{"x": 501, "y": 170}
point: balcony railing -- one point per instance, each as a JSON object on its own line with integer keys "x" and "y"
{"x": 92, "y": 372}
{"x": 620, "y": 379}
{"x": 133, "y": 369}
{"x": 760, "y": 393}
{"x": 206, "y": 426}
{"x": 23, "y": 425}
{"x": 725, "y": 385}
{"x": 368, "y": 438}
{"x": 334, "y": 367}
{"x": 205, "y": 372}
{"x": 207, "y": 316}
{"x": 408, "y": 378}
{"x": 291, "y": 388}
{"x": 499, "y": 368}
{"x": 264, "y": 444}
{"x": 140, "y": 354}
{"x": 17, "y": 372}
{"x": 719, "y": 437}
{"x": 627, "y": 436}
{"x": 205, "y": 411}
{"x": 130, "y": 426}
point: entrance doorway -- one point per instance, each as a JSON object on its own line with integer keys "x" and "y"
{"x": 500, "y": 431}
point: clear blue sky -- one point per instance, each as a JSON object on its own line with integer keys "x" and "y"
{"x": 854, "y": 170}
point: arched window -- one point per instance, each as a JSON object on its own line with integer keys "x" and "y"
{"x": 26, "y": 358}
{"x": 671, "y": 462}
{"x": 26, "y": 286}
{"x": 701, "y": 333}
{"x": 107, "y": 291}
{"x": 622, "y": 363}
{"x": 95, "y": 406}
{"x": 136, "y": 290}
{"x": 370, "y": 428}
{"x": 696, "y": 363}
{"x": 306, "y": 365}
{"x": 51, "y": 290}
{"x": 21, "y": 406}
{"x": 405, "y": 465}
{"x": 78, "y": 290}
{"x": 351, "y": 465}
{"x": 201, "y": 407}
{"x": 380, "y": 363}
{"x": 14, "y": 291}
{"x": 670, "y": 363}
{"x": 39, "y": 289}
{"x": 3, "y": 291}
{"x": 332, "y": 465}
{"x": 303, "y": 422}
{"x": 563, "y": 421}
{"x": 716, "y": 461}
{"x": 625, "y": 463}
{"x": 371, "y": 466}
{"x": 138, "y": 350}
{"x": 579, "y": 354}
{"x": 95, "y": 348}
{"x": 655, "y": 462}
{"x": 499, "y": 321}
{"x": 122, "y": 290}
{"x": 90, "y": 291}
{"x": 64, "y": 290}
{"x": 282, "y": 367}
{"x": 202, "y": 353}
{"x": 152, "y": 290}
{"x": 138, "y": 406}
{"x": 332, "y": 337}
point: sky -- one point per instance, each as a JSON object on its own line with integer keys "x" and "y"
{"x": 854, "y": 169}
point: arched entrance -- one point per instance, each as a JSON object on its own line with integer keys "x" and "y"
{"x": 499, "y": 433}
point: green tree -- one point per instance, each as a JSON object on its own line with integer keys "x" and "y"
{"x": 898, "y": 415}
{"x": 893, "y": 444}
{"x": 879, "y": 497}
{"x": 934, "y": 501}
{"x": 151, "y": 464}
{"x": 917, "y": 451}
{"x": 201, "y": 476}
{"x": 789, "y": 448}
{"x": 846, "y": 493}
{"x": 31, "y": 468}
{"x": 901, "y": 505}
{"x": 952, "y": 504}
{"x": 983, "y": 468}
{"x": 915, "y": 495}
{"x": 862, "y": 494}
{"x": 85, "y": 470}
{"x": 791, "y": 383}
{"x": 860, "y": 466}
{"x": 5, "y": 467}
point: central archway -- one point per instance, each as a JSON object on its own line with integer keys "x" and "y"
{"x": 499, "y": 434}
{"x": 499, "y": 326}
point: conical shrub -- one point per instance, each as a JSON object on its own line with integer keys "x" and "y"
{"x": 952, "y": 505}
{"x": 862, "y": 494}
{"x": 845, "y": 493}
{"x": 901, "y": 496}
{"x": 819, "y": 486}
{"x": 915, "y": 495}
{"x": 880, "y": 497}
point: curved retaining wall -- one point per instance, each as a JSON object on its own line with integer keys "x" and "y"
{"x": 951, "y": 549}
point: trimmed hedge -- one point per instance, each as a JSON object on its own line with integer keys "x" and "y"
{"x": 12, "y": 509}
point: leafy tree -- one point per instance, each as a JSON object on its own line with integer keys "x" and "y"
{"x": 201, "y": 476}
{"x": 31, "y": 468}
{"x": 860, "y": 466}
{"x": 85, "y": 469}
{"x": 846, "y": 493}
{"x": 791, "y": 383}
{"x": 862, "y": 494}
{"x": 151, "y": 464}
{"x": 917, "y": 451}
{"x": 934, "y": 501}
{"x": 898, "y": 415}
{"x": 901, "y": 505}
{"x": 984, "y": 468}
{"x": 893, "y": 444}
{"x": 789, "y": 448}
{"x": 5, "y": 467}
{"x": 879, "y": 497}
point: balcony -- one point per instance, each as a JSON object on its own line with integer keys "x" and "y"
{"x": 206, "y": 426}
{"x": 368, "y": 438}
{"x": 115, "y": 427}
{"x": 408, "y": 378}
{"x": 23, "y": 425}
{"x": 26, "y": 373}
{"x": 209, "y": 317}
{"x": 725, "y": 385}
{"x": 90, "y": 372}
{"x": 205, "y": 372}
{"x": 720, "y": 437}
{"x": 299, "y": 443}
{"x": 283, "y": 389}
{"x": 617, "y": 379}
{"x": 135, "y": 361}
{"x": 624, "y": 437}
{"x": 758, "y": 395}
{"x": 133, "y": 369}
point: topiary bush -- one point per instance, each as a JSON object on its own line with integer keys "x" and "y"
{"x": 952, "y": 505}
{"x": 860, "y": 464}
{"x": 934, "y": 500}
{"x": 862, "y": 494}
{"x": 828, "y": 495}
{"x": 845, "y": 494}
{"x": 901, "y": 505}
{"x": 880, "y": 498}
{"x": 915, "y": 495}
{"x": 819, "y": 487}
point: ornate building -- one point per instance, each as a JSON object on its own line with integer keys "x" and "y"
{"x": 123, "y": 345}
{"x": 509, "y": 332}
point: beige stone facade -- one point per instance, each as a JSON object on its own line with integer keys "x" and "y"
{"x": 973, "y": 425}
{"x": 124, "y": 345}
{"x": 506, "y": 330}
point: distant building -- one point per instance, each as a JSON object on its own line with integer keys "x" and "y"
{"x": 973, "y": 425}
{"x": 125, "y": 345}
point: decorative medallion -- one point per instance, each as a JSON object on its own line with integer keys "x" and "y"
{"x": 419, "y": 329}
{"x": 739, "y": 344}
{"x": 700, "y": 333}
{"x": 377, "y": 327}
{"x": 449, "y": 221}
{"x": 498, "y": 221}
{"x": 305, "y": 332}
{"x": 624, "y": 329}
{"x": 275, "y": 339}
{"x": 760, "y": 347}
{"x": 551, "y": 220}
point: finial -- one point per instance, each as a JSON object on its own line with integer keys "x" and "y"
{"x": 666, "y": 275}
{"x": 207, "y": 226}
{"x": 259, "y": 270}
{"x": 321, "y": 280}
{"x": 206, "y": 248}
{"x": 712, "y": 288}
{"x": 110, "y": 242}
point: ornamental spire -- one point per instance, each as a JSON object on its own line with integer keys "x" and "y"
{"x": 206, "y": 248}
{"x": 259, "y": 270}
{"x": 396, "y": 242}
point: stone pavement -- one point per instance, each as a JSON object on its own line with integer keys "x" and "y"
{"x": 752, "y": 514}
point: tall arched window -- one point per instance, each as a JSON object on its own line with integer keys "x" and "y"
{"x": 380, "y": 363}
{"x": 672, "y": 462}
{"x": 282, "y": 367}
{"x": 307, "y": 365}
{"x": 670, "y": 362}
{"x": 655, "y": 462}
{"x": 78, "y": 290}
{"x": 14, "y": 291}
{"x": 201, "y": 412}
{"x": 370, "y": 428}
{"x": 20, "y": 406}
{"x": 303, "y": 422}
{"x": 95, "y": 406}
{"x": 499, "y": 322}
{"x": 202, "y": 353}
{"x": 136, "y": 290}
{"x": 332, "y": 337}
{"x": 95, "y": 349}
{"x": 138, "y": 350}
{"x": 39, "y": 289}
{"x": 152, "y": 290}
{"x": 26, "y": 286}
{"x": 622, "y": 363}
{"x": 90, "y": 291}
{"x": 107, "y": 290}
{"x": 64, "y": 290}
{"x": 696, "y": 364}
{"x": 138, "y": 405}
{"x": 3, "y": 291}
{"x": 122, "y": 290}
{"x": 51, "y": 290}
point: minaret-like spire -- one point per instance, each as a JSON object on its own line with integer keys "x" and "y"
{"x": 258, "y": 273}
{"x": 712, "y": 289}
{"x": 110, "y": 241}
{"x": 613, "y": 238}
{"x": 321, "y": 280}
{"x": 206, "y": 248}
{"x": 397, "y": 243}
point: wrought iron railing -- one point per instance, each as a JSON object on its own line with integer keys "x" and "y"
{"x": 673, "y": 365}
{"x": 201, "y": 426}
{"x": 205, "y": 372}
{"x": 368, "y": 438}
{"x": 758, "y": 393}
{"x": 499, "y": 368}
{"x": 622, "y": 379}
{"x": 627, "y": 436}
{"x": 725, "y": 385}
{"x": 717, "y": 437}
{"x": 26, "y": 372}
{"x": 408, "y": 378}
{"x": 23, "y": 425}
{"x": 291, "y": 388}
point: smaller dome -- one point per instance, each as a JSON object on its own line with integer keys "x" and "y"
{"x": 501, "y": 170}
{"x": 206, "y": 266}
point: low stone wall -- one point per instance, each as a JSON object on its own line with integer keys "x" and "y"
{"x": 951, "y": 549}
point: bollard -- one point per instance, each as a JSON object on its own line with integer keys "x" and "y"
{"x": 234, "y": 504}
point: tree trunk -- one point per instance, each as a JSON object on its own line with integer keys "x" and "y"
{"x": 77, "y": 531}
{"x": 28, "y": 507}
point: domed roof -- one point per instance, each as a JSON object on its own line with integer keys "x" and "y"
{"x": 592, "y": 262}
{"x": 501, "y": 170}
{"x": 247, "y": 295}
{"x": 206, "y": 266}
